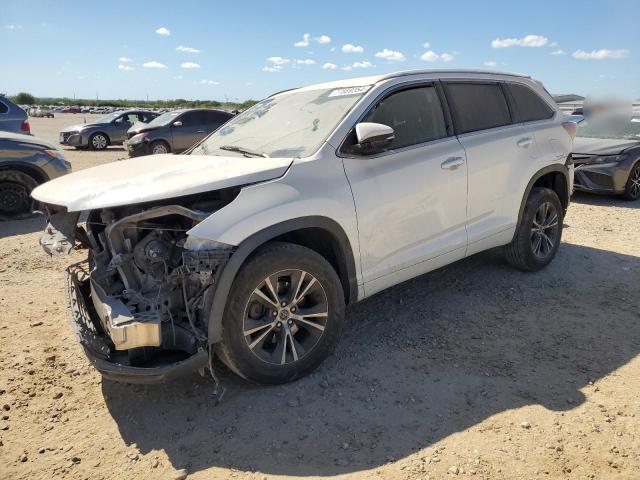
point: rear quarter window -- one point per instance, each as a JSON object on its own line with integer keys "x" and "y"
{"x": 529, "y": 107}
{"x": 477, "y": 106}
{"x": 3, "y": 108}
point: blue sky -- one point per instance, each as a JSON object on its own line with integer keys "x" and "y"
{"x": 246, "y": 49}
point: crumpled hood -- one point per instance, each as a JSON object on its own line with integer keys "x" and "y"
{"x": 602, "y": 146}
{"x": 155, "y": 177}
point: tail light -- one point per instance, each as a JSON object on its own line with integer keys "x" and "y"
{"x": 25, "y": 128}
{"x": 570, "y": 128}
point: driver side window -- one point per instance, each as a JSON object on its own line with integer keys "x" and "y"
{"x": 415, "y": 114}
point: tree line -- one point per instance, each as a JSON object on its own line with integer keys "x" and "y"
{"x": 24, "y": 98}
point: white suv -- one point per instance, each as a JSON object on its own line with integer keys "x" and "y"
{"x": 249, "y": 245}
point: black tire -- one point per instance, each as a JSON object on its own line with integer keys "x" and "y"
{"x": 524, "y": 252}
{"x": 159, "y": 144}
{"x": 632, "y": 187}
{"x": 98, "y": 141}
{"x": 259, "y": 364}
{"x": 15, "y": 194}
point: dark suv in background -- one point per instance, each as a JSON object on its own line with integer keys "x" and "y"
{"x": 174, "y": 131}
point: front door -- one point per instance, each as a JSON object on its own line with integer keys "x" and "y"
{"x": 411, "y": 200}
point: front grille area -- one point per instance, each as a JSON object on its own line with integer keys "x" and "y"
{"x": 601, "y": 180}
{"x": 64, "y": 136}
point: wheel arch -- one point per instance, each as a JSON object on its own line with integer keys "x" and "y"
{"x": 321, "y": 234}
{"x": 555, "y": 177}
{"x": 31, "y": 170}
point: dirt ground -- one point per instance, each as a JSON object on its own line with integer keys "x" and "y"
{"x": 474, "y": 370}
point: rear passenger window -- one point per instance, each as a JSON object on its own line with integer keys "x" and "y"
{"x": 216, "y": 118}
{"x": 529, "y": 106}
{"x": 414, "y": 114}
{"x": 477, "y": 106}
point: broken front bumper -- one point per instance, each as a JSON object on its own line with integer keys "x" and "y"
{"x": 99, "y": 348}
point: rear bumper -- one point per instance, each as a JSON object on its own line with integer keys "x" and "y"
{"x": 98, "y": 347}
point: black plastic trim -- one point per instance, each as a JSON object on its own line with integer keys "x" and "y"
{"x": 556, "y": 167}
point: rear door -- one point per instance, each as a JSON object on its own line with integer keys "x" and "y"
{"x": 411, "y": 199}
{"x": 498, "y": 152}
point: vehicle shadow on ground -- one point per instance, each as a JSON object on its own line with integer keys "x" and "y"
{"x": 34, "y": 223}
{"x": 586, "y": 198}
{"x": 417, "y": 363}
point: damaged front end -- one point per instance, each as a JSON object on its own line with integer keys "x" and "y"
{"x": 140, "y": 302}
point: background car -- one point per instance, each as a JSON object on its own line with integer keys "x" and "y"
{"x": 107, "y": 130}
{"x": 606, "y": 155}
{"x": 25, "y": 163}
{"x": 41, "y": 112}
{"x": 174, "y": 131}
{"x": 12, "y": 117}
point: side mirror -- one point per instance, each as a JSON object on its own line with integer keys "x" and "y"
{"x": 177, "y": 123}
{"x": 372, "y": 138}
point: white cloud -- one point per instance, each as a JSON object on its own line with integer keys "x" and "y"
{"x": 179, "y": 77}
{"x": 391, "y": 55}
{"x": 13, "y": 27}
{"x": 490, "y": 63}
{"x": 187, "y": 49}
{"x": 275, "y": 68}
{"x": 154, "y": 64}
{"x": 304, "y": 42}
{"x": 431, "y": 56}
{"x": 601, "y": 54}
{"x": 125, "y": 60}
{"x": 125, "y": 68}
{"x": 163, "y": 31}
{"x": 306, "y": 61}
{"x": 329, "y": 66}
{"x": 528, "y": 41}
{"x": 209, "y": 82}
{"x": 278, "y": 60}
{"x": 426, "y": 45}
{"x": 189, "y": 65}
{"x": 323, "y": 39}
{"x": 558, "y": 52}
{"x": 350, "y": 48}
{"x": 365, "y": 64}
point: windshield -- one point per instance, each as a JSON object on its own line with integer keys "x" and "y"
{"x": 622, "y": 128}
{"x": 163, "y": 119}
{"x": 108, "y": 118}
{"x": 291, "y": 124}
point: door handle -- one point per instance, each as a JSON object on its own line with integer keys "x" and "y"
{"x": 452, "y": 163}
{"x": 525, "y": 142}
{"x": 200, "y": 131}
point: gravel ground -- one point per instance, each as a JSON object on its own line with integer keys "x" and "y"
{"x": 474, "y": 370}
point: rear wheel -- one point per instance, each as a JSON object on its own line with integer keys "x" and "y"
{"x": 538, "y": 235}
{"x": 15, "y": 193}
{"x": 98, "y": 141}
{"x": 632, "y": 188}
{"x": 283, "y": 316}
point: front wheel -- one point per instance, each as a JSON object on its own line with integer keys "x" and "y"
{"x": 632, "y": 188}
{"x": 98, "y": 141}
{"x": 538, "y": 235}
{"x": 159, "y": 147}
{"x": 283, "y": 316}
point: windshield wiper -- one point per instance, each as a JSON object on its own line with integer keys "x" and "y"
{"x": 246, "y": 151}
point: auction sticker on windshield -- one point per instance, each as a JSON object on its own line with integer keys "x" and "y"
{"x": 341, "y": 92}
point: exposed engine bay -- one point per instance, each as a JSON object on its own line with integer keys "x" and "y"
{"x": 146, "y": 286}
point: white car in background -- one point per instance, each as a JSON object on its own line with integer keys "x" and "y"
{"x": 250, "y": 245}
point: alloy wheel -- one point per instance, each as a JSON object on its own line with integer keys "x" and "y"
{"x": 544, "y": 230}
{"x": 634, "y": 187}
{"x": 14, "y": 198}
{"x": 99, "y": 142}
{"x": 285, "y": 317}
